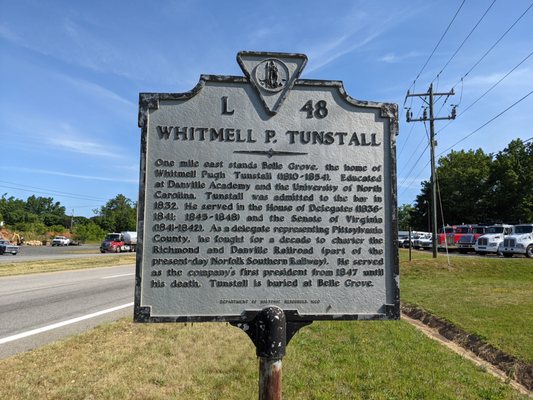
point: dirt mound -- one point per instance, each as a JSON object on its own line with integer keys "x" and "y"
{"x": 518, "y": 370}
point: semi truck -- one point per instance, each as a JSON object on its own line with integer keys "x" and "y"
{"x": 119, "y": 242}
{"x": 490, "y": 241}
{"x": 520, "y": 242}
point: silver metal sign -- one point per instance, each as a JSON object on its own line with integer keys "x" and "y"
{"x": 266, "y": 190}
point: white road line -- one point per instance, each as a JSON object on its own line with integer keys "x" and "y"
{"x": 63, "y": 323}
{"x": 117, "y": 276}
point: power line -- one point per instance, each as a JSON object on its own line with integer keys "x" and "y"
{"x": 412, "y": 168}
{"x": 48, "y": 193}
{"x": 412, "y": 155}
{"x": 486, "y": 123}
{"x": 465, "y": 39}
{"x": 414, "y": 179}
{"x": 494, "y": 45}
{"x": 438, "y": 43}
{"x": 488, "y": 90}
{"x": 409, "y": 134}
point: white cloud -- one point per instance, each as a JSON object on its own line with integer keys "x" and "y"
{"x": 8, "y": 34}
{"x": 55, "y": 134}
{"x": 355, "y": 30}
{"x": 82, "y": 147}
{"x": 67, "y": 138}
{"x": 516, "y": 78}
{"x": 98, "y": 91}
{"x": 328, "y": 52}
{"x": 393, "y": 58}
{"x": 70, "y": 175}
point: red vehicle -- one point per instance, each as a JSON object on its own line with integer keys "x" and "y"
{"x": 443, "y": 235}
{"x": 119, "y": 242}
{"x": 449, "y": 237}
{"x": 466, "y": 242}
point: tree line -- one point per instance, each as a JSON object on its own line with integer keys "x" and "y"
{"x": 475, "y": 187}
{"x": 40, "y": 217}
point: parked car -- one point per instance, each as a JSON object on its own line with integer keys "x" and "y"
{"x": 7, "y": 247}
{"x": 520, "y": 242}
{"x": 425, "y": 242}
{"x": 491, "y": 240}
{"x": 415, "y": 235}
{"x": 402, "y": 238}
{"x": 60, "y": 241}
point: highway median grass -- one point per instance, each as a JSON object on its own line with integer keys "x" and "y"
{"x": 64, "y": 264}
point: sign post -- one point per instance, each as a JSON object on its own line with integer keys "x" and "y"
{"x": 267, "y": 201}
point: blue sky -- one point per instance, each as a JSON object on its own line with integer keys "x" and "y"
{"x": 71, "y": 72}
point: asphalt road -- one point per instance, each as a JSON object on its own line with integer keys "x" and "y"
{"x": 40, "y": 308}
{"x": 35, "y": 253}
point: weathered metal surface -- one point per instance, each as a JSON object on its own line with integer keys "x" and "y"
{"x": 233, "y": 103}
{"x": 270, "y": 379}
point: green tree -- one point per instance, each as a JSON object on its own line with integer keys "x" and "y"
{"x": 48, "y": 211}
{"x": 88, "y": 232}
{"x": 119, "y": 214}
{"x": 463, "y": 178}
{"x": 404, "y": 216}
{"x": 511, "y": 183}
{"x": 13, "y": 210}
{"x": 463, "y": 183}
{"x": 419, "y": 213}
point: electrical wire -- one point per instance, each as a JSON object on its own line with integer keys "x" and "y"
{"x": 495, "y": 44}
{"x": 465, "y": 39}
{"x": 413, "y": 179}
{"x": 409, "y": 134}
{"x": 411, "y": 157}
{"x": 438, "y": 44}
{"x": 486, "y": 123}
{"x": 487, "y": 91}
{"x": 52, "y": 192}
{"x": 47, "y": 193}
{"x": 411, "y": 170}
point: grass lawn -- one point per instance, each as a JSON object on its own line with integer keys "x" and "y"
{"x": 491, "y": 297}
{"x": 327, "y": 360}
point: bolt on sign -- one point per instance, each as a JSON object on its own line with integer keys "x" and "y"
{"x": 266, "y": 190}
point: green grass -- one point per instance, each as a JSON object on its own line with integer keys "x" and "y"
{"x": 327, "y": 360}
{"x": 491, "y": 297}
{"x": 33, "y": 267}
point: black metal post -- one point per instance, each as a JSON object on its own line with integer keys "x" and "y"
{"x": 270, "y": 348}
{"x": 270, "y": 332}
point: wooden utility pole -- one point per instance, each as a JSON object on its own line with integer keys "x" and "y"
{"x": 430, "y": 94}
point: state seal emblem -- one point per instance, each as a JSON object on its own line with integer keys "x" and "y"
{"x": 271, "y": 75}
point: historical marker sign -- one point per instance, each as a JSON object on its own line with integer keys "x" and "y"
{"x": 266, "y": 190}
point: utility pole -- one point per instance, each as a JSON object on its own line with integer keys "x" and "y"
{"x": 409, "y": 114}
